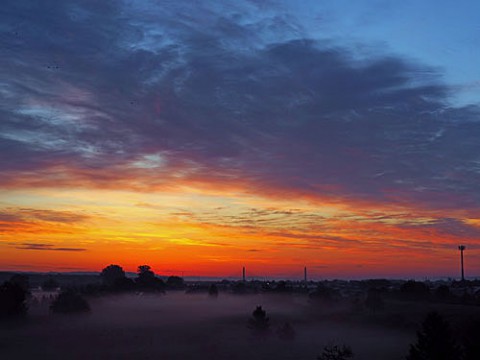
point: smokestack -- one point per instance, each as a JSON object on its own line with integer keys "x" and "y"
{"x": 461, "y": 248}
{"x": 243, "y": 274}
{"x": 305, "y": 275}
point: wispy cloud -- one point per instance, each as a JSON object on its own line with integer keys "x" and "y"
{"x": 16, "y": 214}
{"x": 46, "y": 247}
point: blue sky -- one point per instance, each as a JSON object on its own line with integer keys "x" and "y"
{"x": 442, "y": 34}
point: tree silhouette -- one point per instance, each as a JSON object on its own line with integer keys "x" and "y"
{"x": 12, "y": 300}
{"x": 336, "y": 352}
{"x": 175, "y": 282}
{"x": 259, "y": 321}
{"x": 147, "y": 281}
{"x": 69, "y": 301}
{"x": 112, "y": 275}
{"x": 114, "y": 278}
{"x": 435, "y": 341}
{"x": 145, "y": 271}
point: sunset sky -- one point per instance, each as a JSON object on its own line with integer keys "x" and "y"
{"x": 199, "y": 137}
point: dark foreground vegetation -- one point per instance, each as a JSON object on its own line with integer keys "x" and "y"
{"x": 117, "y": 315}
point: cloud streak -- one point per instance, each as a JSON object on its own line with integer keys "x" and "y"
{"x": 42, "y": 215}
{"x": 46, "y": 247}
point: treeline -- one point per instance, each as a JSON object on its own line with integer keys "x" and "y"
{"x": 15, "y": 293}
{"x": 373, "y": 295}
{"x": 114, "y": 279}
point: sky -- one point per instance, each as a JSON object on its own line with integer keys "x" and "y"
{"x": 199, "y": 137}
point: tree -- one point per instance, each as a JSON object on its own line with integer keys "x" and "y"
{"x": 175, "y": 282}
{"x": 147, "y": 281}
{"x": 435, "y": 341}
{"x": 12, "y": 300}
{"x": 259, "y": 321}
{"x": 336, "y": 352}
{"x": 68, "y": 302}
{"x": 145, "y": 272}
{"x": 112, "y": 274}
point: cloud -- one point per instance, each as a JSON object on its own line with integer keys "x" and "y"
{"x": 42, "y": 215}
{"x": 447, "y": 227}
{"x": 223, "y": 96}
{"x": 252, "y": 217}
{"x": 46, "y": 247}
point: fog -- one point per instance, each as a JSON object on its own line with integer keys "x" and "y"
{"x": 184, "y": 326}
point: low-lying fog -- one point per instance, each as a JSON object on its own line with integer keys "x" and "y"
{"x": 183, "y": 326}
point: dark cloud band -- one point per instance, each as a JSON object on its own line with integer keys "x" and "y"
{"x": 100, "y": 94}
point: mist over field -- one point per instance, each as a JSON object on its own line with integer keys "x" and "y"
{"x": 184, "y": 326}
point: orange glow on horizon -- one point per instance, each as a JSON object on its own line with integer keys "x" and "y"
{"x": 200, "y": 234}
